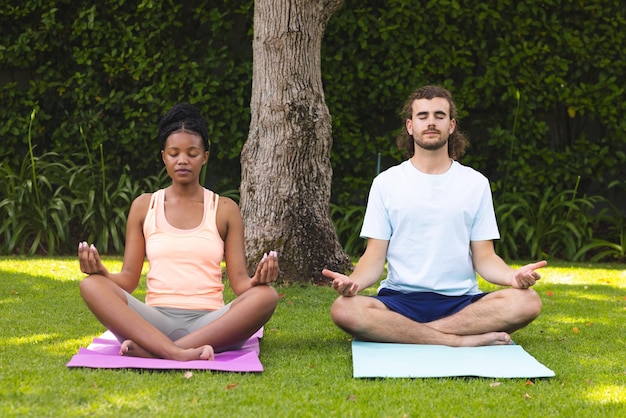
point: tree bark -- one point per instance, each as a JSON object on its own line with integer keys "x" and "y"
{"x": 286, "y": 170}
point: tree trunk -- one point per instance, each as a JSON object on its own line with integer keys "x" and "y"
{"x": 286, "y": 170}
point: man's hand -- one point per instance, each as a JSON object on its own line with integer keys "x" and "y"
{"x": 342, "y": 283}
{"x": 526, "y": 276}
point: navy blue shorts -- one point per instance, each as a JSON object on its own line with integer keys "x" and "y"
{"x": 425, "y": 306}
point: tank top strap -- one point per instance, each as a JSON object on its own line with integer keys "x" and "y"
{"x": 211, "y": 200}
{"x": 149, "y": 223}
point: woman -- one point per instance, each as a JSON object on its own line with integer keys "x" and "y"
{"x": 185, "y": 231}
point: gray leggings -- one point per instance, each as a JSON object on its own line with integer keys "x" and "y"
{"x": 174, "y": 322}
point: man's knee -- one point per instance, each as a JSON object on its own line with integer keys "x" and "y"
{"x": 524, "y": 305}
{"x": 341, "y": 312}
{"x": 532, "y": 304}
{"x": 350, "y": 313}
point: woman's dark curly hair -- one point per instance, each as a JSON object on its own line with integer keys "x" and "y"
{"x": 457, "y": 141}
{"x": 183, "y": 117}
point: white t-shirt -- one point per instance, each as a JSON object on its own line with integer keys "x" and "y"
{"x": 429, "y": 221}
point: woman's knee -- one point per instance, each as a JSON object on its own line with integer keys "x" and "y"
{"x": 265, "y": 297}
{"x": 269, "y": 295}
{"x": 87, "y": 286}
{"x": 94, "y": 287}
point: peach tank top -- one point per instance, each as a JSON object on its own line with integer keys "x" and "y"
{"x": 185, "y": 270}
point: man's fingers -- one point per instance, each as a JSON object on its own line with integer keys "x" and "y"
{"x": 537, "y": 265}
{"x": 330, "y": 274}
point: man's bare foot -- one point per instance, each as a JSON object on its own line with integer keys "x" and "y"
{"x": 205, "y": 352}
{"x": 489, "y": 338}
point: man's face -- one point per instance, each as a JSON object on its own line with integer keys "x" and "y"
{"x": 430, "y": 124}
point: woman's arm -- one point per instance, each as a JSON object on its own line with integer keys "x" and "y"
{"x": 135, "y": 248}
{"x": 134, "y": 252}
{"x": 230, "y": 226}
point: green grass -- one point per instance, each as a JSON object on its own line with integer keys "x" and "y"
{"x": 580, "y": 335}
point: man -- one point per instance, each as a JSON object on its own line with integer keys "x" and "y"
{"x": 432, "y": 220}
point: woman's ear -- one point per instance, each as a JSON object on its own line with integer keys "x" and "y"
{"x": 206, "y": 157}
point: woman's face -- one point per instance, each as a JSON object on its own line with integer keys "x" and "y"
{"x": 184, "y": 156}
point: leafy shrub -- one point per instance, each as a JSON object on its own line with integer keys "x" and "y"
{"x": 611, "y": 224}
{"x": 50, "y": 203}
{"x": 102, "y": 211}
{"x": 348, "y": 222}
{"x": 34, "y": 211}
{"x": 546, "y": 224}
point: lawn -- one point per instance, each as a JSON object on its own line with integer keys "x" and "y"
{"x": 308, "y": 370}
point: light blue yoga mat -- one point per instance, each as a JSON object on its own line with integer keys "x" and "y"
{"x": 416, "y": 360}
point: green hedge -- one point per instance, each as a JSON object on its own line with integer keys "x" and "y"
{"x": 114, "y": 68}
{"x": 539, "y": 85}
{"x": 564, "y": 60}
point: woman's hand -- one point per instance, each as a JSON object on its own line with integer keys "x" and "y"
{"x": 89, "y": 260}
{"x": 267, "y": 270}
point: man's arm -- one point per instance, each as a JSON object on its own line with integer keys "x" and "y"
{"x": 493, "y": 269}
{"x": 367, "y": 271}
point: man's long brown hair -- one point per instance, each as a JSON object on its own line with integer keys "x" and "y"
{"x": 457, "y": 142}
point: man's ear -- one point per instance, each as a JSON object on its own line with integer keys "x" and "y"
{"x": 452, "y": 125}
{"x": 408, "y": 124}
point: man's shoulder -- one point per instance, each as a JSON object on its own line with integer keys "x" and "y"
{"x": 393, "y": 171}
{"x": 469, "y": 172}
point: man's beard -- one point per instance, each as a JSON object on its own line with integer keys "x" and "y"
{"x": 431, "y": 146}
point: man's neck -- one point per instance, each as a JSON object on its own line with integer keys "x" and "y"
{"x": 431, "y": 162}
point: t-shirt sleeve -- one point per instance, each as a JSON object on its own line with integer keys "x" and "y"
{"x": 485, "y": 226}
{"x": 376, "y": 223}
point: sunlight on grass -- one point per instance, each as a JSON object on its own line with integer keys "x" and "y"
{"x": 559, "y": 275}
{"x": 61, "y": 269}
{"x": 607, "y": 394}
{"x": 561, "y": 319}
{"x": 28, "y": 339}
{"x": 590, "y": 296}
{"x": 69, "y": 345}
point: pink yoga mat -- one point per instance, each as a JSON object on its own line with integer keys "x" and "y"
{"x": 103, "y": 353}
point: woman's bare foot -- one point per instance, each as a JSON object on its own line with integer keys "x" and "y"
{"x": 205, "y": 352}
{"x": 132, "y": 349}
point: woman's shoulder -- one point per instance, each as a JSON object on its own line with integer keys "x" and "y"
{"x": 226, "y": 203}
{"x": 144, "y": 198}
{"x": 142, "y": 202}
